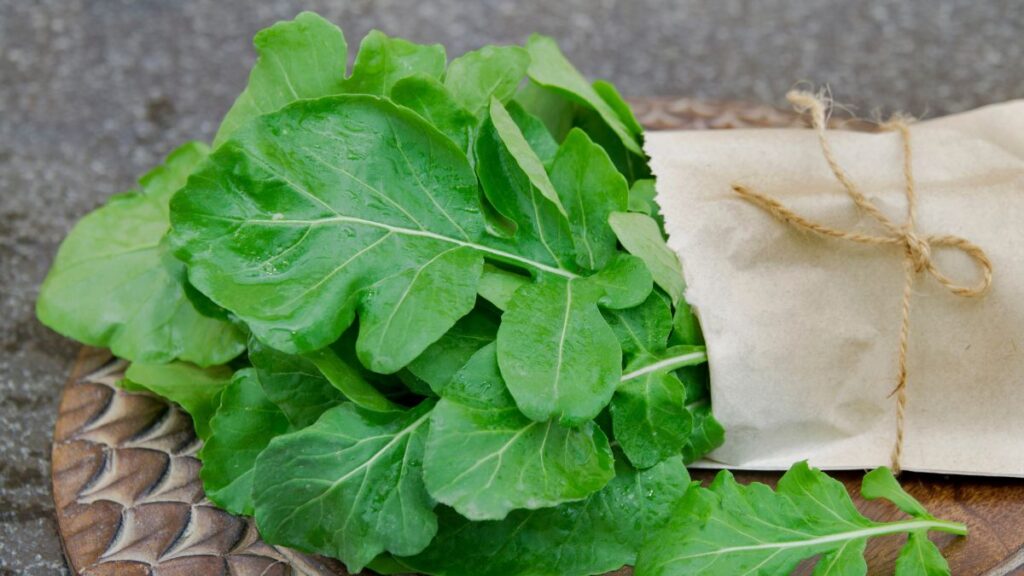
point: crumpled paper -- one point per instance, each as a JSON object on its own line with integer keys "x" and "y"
{"x": 802, "y": 331}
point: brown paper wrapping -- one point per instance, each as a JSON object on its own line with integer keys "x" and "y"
{"x": 802, "y": 331}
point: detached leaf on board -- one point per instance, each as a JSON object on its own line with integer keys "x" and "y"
{"x": 114, "y": 283}
{"x": 359, "y": 474}
{"x": 593, "y": 536}
{"x": 734, "y": 529}
{"x": 243, "y": 425}
{"x": 485, "y": 459}
{"x": 197, "y": 390}
{"x": 302, "y": 58}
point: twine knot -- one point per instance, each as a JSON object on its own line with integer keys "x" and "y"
{"x": 917, "y": 248}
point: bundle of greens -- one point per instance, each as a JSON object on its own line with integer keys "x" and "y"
{"x": 424, "y": 319}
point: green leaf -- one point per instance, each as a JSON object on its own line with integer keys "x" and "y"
{"x": 522, "y": 154}
{"x": 590, "y": 189}
{"x": 559, "y": 357}
{"x": 444, "y": 358}
{"x": 485, "y": 459}
{"x": 293, "y": 383}
{"x": 430, "y": 99}
{"x": 554, "y": 110}
{"x": 642, "y": 199}
{"x": 686, "y": 325}
{"x": 490, "y": 72}
{"x": 625, "y": 282}
{"x": 643, "y": 329}
{"x": 349, "y": 381}
{"x": 549, "y": 68}
{"x": 535, "y": 132}
{"x": 382, "y": 61}
{"x": 735, "y": 529}
{"x": 880, "y": 483}
{"x": 593, "y": 536}
{"x": 640, "y": 236}
{"x": 197, "y": 390}
{"x": 497, "y": 285}
{"x": 302, "y": 58}
{"x": 243, "y": 425}
{"x": 541, "y": 232}
{"x": 114, "y": 284}
{"x": 350, "y": 486}
{"x": 920, "y": 557}
{"x": 362, "y": 206}
{"x": 649, "y": 415}
{"x": 706, "y": 433}
{"x": 610, "y": 94}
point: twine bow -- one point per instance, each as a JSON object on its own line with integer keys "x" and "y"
{"x": 917, "y": 248}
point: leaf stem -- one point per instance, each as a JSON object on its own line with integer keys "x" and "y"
{"x": 670, "y": 363}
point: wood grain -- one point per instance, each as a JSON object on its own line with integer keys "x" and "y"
{"x": 129, "y": 500}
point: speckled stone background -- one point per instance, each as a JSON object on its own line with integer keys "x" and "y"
{"x": 92, "y": 93}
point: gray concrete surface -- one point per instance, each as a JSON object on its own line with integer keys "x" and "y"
{"x": 92, "y": 93}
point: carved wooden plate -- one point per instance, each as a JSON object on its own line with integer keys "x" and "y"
{"x": 129, "y": 501}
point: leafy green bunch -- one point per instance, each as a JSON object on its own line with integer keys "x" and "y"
{"x": 424, "y": 318}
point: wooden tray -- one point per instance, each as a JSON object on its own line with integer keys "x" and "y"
{"x": 129, "y": 501}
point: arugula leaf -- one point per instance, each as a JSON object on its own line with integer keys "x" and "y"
{"x": 610, "y": 94}
{"x": 430, "y": 99}
{"x": 347, "y": 379}
{"x": 624, "y": 282}
{"x": 114, "y": 284}
{"x": 921, "y": 557}
{"x": 559, "y": 357}
{"x": 590, "y": 189}
{"x": 541, "y": 231}
{"x": 643, "y": 329}
{"x": 642, "y": 199}
{"x": 536, "y": 133}
{"x": 382, "y": 61}
{"x": 640, "y": 236}
{"x": 490, "y": 72}
{"x": 497, "y": 285}
{"x": 358, "y": 474}
{"x": 302, "y": 58}
{"x": 243, "y": 425}
{"x": 556, "y": 112}
{"x": 293, "y": 383}
{"x": 522, "y": 154}
{"x": 197, "y": 390}
{"x": 294, "y": 234}
{"x": 735, "y": 529}
{"x": 549, "y": 68}
{"x": 485, "y": 459}
{"x": 444, "y": 358}
{"x": 593, "y": 536}
{"x": 649, "y": 416}
{"x": 706, "y": 433}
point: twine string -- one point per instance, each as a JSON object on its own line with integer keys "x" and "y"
{"x": 917, "y": 248}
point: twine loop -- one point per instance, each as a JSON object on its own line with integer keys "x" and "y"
{"x": 917, "y": 248}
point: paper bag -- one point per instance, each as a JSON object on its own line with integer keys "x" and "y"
{"x": 802, "y": 331}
